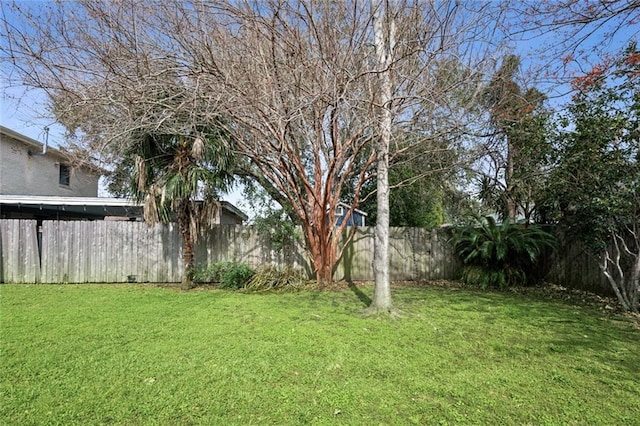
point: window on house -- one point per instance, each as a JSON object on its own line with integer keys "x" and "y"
{"x": 339, "y": 211}
{"x": 65, "y": 175}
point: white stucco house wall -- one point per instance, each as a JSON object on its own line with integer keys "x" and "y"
{"x": 25, "y": 169}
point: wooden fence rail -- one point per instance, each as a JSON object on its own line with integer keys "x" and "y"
{"x": 102, "y": 251}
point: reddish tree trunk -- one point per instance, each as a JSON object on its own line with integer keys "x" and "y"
{"x": 320, "y": 234}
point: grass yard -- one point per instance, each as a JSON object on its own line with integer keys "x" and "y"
{"x": 120, "y": 354}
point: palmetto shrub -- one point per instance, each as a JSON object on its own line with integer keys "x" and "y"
{"x": 501, "y": 254}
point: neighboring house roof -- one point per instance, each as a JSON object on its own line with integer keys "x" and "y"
{"x": 89, "y": 207}
{"x": 356, "y": 218}
{"x": 347, "y": 206}
{"x": 233, "y": 209}
{"x": 16, "y": 204}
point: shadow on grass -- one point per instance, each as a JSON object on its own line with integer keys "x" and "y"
{"x": 579, "y": 332}
{"x": 366, "y": 300}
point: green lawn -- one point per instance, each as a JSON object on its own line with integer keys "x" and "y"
{"x": 117, "y": 354}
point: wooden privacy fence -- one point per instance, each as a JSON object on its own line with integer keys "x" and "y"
{"x": 102, "y": 251}
{"x": 574, "y": 267}
{"x": 87, "y": 252}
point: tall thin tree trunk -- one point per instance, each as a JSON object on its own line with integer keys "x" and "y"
{"x": 511, "y": 206}
{"x": 384, "y": 41}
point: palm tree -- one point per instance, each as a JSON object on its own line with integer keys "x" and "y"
{"x": 178, "y": 177}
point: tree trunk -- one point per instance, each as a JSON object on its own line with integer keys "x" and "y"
{"x": 634, "y": 283}
{"x": 384, "y": 42}
{"x": 324, "y": 270}
{"x": 187, "y": 261}
{"x": 382, "y": 294}
{"x": 183, "y": 217}
{"x": 322, "y": 247}
{"x": 511, "y": 207}
{"x": 623, "y": 282}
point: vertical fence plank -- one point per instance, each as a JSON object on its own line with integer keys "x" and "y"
{"x": 102, "y": 253}
{"x": 31, "y": 252}
{"x": 144, "y": 249}
{"x": 50, "y": 250}
{"x": 45, "y": 271}
{"x": 155, "y": 250}
{"x": 16, "y": 268}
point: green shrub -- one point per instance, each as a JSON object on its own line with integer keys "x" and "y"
{"x": 236, "y": 275}
{"x": 207, "y": 274}
{"x": 227, "y": 274}
{"x": 271, "y": 277}
{"x": 501, "y": 255}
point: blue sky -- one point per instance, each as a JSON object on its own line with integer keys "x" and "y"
{"x": 26, "y": 111}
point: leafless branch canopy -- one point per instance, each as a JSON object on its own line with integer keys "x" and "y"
{"x": 573, "y": 32}
{"x": 295, "y": 82}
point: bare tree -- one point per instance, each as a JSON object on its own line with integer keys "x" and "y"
{"x": 292, "y": 74}
{"x": 578, "y": 32}
{"x": 307, "y": 92}
{"x": 624, "y": 281}
{"x": 300, "y": 85}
